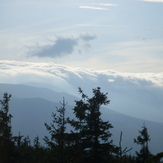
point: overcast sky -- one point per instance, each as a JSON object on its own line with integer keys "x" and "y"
{"x": 122, "y": 35}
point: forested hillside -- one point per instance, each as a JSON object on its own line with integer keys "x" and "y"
{"x": 85, "y": 136}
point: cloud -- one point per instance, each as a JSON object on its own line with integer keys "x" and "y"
{"x": 153, "y": 0}
{"x": 94, "y": 8}
{"x": 87, "y": 37}
{"x": 104, "y": 4}
{"x": 12, "y": 68}
{"x": 61, "y": 47}
{"x": 97, "y": 6}
{"x": 107, "y": 4}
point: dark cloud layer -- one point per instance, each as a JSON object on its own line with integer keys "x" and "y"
{"x": 63, "y": 46}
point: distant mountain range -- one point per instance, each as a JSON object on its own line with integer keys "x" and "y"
{"x": 37, "y": 88}
{"x": 31, "y": 107}
{"x": 135, "y": 94}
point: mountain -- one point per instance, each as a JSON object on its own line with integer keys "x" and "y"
{"x": 135, "y": 94}
{"x": 29, "y": 116}
{"x": 36, "y": 87}
{"x": 25, "y": 91}
{"x": 31, "y": 109}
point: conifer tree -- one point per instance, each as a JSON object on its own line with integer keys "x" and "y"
{"x": 143, "y": 139}
{"x": 57, "y": 128}
{"x": 6, "y": 139}
{"x": 93, "y": 133}
{"x": 39, "y": 152}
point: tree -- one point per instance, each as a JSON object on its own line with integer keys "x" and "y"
{"x": 122, "y": 152}
{"x": 143, "y": 139}
{"x": 6, "y": 139}
{"x": 39, "y": 152}
{"x": 26, "y": 150}
{"x": 93, "y": 133}
{"x": 57, "y": 128}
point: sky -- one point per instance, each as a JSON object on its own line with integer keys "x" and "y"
{"x": 61, "y": 45}
{"x": 120, "y": 35}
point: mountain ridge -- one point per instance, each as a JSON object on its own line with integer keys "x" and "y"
{"x": 31, "y": 110}
{"x": 144, "y": 103}
{"x": 29, "y": 116}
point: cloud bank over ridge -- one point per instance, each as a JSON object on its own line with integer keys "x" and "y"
{"x": 134, "y": 94}
{"x": 51, "y": 69}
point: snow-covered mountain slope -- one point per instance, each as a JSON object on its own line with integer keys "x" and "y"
{"x": 135, "y": 94}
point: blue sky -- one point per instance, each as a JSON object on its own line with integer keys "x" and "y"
{"x": 42, "y": 43}
{"x": 122, "y": 35}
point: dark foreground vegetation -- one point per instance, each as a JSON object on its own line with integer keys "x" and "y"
{"x": 88, "y": 141}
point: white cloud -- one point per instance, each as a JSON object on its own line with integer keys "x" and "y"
{"x": 107, "y": 4}
{"x": 13, "y": 69}
{"x": 111, "y": 80}
{"x": 94, "y": 8}
{"x": 153, "y": 0}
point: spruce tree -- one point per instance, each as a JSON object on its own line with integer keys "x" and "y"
{"x": 92, "y": 132}
{"x": 39, "y": 152}
{"x": 6, "y": 139}
{"x": 57, "y": 141}
{"x": 143, "y": 139}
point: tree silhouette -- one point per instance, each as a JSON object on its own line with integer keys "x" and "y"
{"x": 93, "y": 133}
{"x": 57, "y": 141}
{"x": 6, "y": 139}
{"x": 143, "y": 139}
